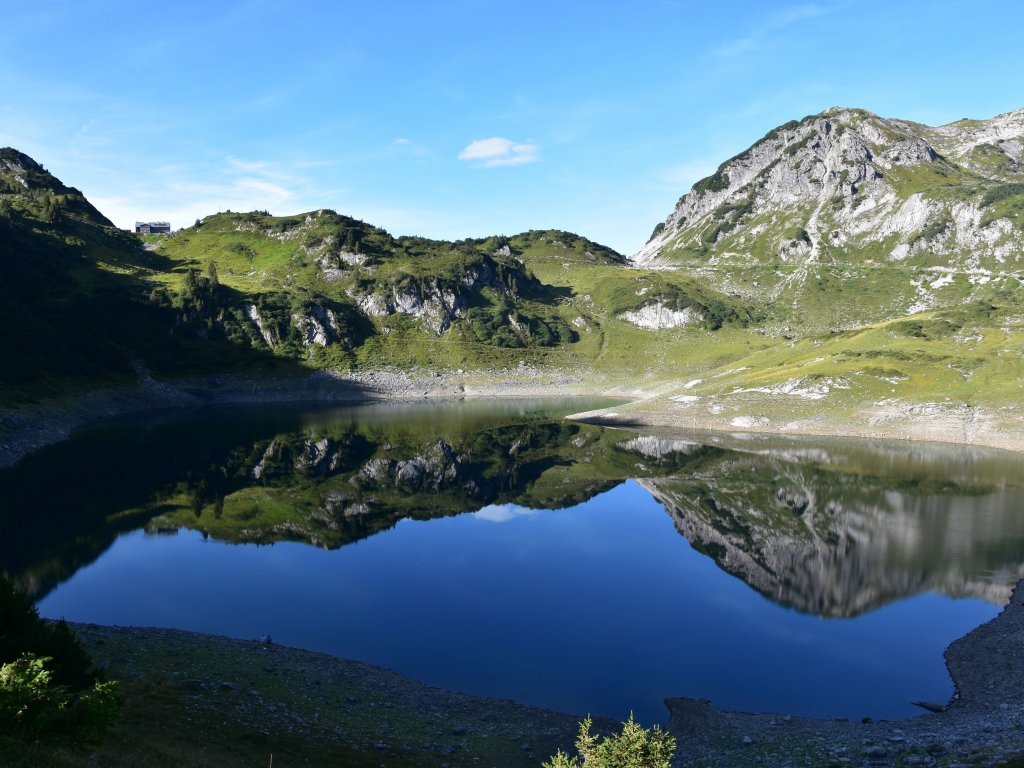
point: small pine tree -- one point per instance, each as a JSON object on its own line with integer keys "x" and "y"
{"x": 191, "y": 282}
{"x": 635, "y": 747}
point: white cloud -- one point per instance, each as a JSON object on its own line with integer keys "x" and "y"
{"x": 503, "y": 513}
{"x": 497, "y": 151}
{"x": 246, "y": 166}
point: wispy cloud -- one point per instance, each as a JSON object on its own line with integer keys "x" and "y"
{"x": 246, "y": 166}
{"x": 495, "y": 513}
{"x": 497, "y": 151}
{"x": 775, "y": 23}
{"x": 183, "y": 194}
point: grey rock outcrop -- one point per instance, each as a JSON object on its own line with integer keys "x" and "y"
{"x": 850, "y": 182}
{"x": 320, "y": 326}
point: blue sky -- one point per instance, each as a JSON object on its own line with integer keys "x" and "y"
{"x": 465, "y": 118}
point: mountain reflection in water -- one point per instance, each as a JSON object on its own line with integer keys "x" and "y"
{"x": 832, "y": 529}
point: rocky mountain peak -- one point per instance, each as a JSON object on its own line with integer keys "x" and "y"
{"x": 842, "y": 179}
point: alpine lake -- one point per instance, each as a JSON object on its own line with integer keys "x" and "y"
{"x": 498, "y": 549}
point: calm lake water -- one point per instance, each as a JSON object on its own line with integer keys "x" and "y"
{"x": 498, "y": 550}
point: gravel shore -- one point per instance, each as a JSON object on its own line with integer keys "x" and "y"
{"x": 27, "y": 430}
{"x": 254, "y": 699}
{"x": 931, "y": 422}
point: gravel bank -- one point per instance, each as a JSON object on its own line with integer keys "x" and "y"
{"x": 919, "y": 423}
{"x": 258, "y": 698}
{"x": 27, "y": 430}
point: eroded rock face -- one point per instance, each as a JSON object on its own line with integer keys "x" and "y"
{"x": 435, "y": 303}
{"x": 846, "y": 179}
{"x": 320, "y": 326}
{"x": 437, "y": 307}
{"x": 438, "y": 467}
{"x": 265, "y": 331}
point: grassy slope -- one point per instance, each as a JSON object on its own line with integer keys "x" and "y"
{"x": 940, "y": 325}
{"x": 585, "y": 286}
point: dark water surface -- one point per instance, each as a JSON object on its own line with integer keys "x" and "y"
{"x": 496, "y": 549}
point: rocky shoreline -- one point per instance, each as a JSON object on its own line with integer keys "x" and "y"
{"x": 918, "y": 423}
{"x": 27, "y": 430}
{"x": 261, "y": 701}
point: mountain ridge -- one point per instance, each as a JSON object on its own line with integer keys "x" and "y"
{"x": 879, "y": 178}
{"x": 846, "y": 274}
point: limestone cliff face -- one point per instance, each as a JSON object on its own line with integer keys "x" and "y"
{"x": 849, "y": 185}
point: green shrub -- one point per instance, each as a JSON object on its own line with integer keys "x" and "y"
{"x": 716, "y": 182}
{"x": 1001, "y": 192}
{"x": 635, "y": 747}
{"x": 47, "y": 684}
{"x": 22, "y": 631}
{"x": 33, "y": 705}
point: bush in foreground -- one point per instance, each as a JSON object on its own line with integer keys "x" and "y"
{"x": 635, "y": 747}
{"x": 47, "y": 685}
{"x": 32, "y": 705}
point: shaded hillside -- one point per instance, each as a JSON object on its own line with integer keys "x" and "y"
{"x": 75, "y": 297}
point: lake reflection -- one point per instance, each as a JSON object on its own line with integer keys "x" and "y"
{"x": 568, "y": 584}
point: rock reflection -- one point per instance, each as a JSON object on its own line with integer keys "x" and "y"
{"x": 839, "y": 533}
{"x": 834, "y": 529}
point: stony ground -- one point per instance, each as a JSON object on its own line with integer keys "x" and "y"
{"x": 226, "y": 702}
